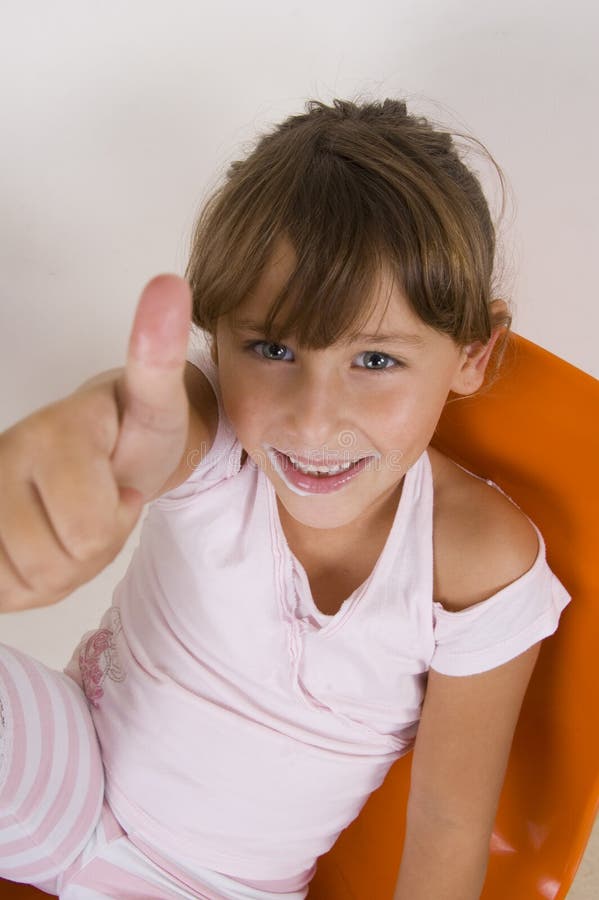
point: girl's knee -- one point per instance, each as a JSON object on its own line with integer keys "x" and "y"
{"x": 51, "y": 775}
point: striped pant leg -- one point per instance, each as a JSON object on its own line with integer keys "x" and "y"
{"x": 51, "y": 774}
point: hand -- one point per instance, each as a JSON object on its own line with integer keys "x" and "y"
{"x": 74, "y": 475}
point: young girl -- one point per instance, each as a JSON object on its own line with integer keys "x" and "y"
{"x": 282, "y": 635}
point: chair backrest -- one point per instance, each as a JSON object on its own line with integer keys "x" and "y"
{"x": 535, "y": 433}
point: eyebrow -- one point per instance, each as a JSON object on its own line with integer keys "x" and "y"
{"x": 414, "y": 340}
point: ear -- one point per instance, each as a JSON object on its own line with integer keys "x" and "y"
{"x": 475, "y": 357}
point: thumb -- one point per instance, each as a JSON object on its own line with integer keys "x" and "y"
{"x": 151, "y": 394}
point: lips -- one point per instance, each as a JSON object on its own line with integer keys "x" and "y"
{"x": 308, "y": 483}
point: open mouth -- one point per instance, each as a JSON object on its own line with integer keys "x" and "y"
{"x": 315, "y": 479}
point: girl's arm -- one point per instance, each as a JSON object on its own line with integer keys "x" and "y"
{"x": 458, "y": 768}
{"x": 483, "y": 543}
{"x": 441, "y": 863}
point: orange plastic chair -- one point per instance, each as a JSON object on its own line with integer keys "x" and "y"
{"x": 535, "y": 434}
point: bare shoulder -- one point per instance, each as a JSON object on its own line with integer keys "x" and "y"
{"x": 203, "y": 423}
{"x": 481, "y": 540}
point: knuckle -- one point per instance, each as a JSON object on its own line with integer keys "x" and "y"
{"x": 43, "y": 576}
{"x": 77, "y": 418}
{"x": 29, "y": 441}
{"x": 98, "y": 419}
{"x": 59, "y": 580}
{"x": 43, "y": 422}
{"x": 85, "y": 539}
{"x": 112, "y": 550}
{"x": 33, "y": 571}
{"x": 14, "y": 598}
{"x": 19, "y": 440}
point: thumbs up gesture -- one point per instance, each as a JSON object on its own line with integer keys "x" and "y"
{"x": 74, "y": 475}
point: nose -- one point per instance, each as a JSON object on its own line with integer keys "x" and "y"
{"x": 315, "y": 404}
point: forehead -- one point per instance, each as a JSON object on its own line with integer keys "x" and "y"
{"x": 280, "y": 266}
{"x": 391, "y": 312}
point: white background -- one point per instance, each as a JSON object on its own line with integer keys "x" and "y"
{"x": 118, "y": 118}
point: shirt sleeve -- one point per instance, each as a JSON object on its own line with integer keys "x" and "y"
{"x": 223, "y": 459}
{"x": 501, "y": 627}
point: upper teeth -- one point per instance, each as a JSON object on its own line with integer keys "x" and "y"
{"x": 323, "y": 470}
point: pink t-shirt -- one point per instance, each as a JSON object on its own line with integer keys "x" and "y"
{"x": 241, "y": 728}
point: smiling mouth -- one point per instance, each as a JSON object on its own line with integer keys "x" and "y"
{"x": 314, "y": 482}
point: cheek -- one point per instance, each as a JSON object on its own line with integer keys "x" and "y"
{"x": 411, "y": 408}
{"x": 245, "y": 409}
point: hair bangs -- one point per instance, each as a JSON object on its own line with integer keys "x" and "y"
{"x": 365, "y": 196}
{"x": 340, "y": 260}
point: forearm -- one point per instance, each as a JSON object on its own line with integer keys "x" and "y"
{"x": 442, "y": 864}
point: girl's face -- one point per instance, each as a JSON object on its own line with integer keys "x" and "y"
{"x": 378, "y": 397}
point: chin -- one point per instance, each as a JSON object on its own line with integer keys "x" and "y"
{"x": 322, "y": 511}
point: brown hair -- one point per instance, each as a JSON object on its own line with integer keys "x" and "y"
{"x": 356, "y": 188}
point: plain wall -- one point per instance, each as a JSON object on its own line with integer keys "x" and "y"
{"x": 119, "y": 118}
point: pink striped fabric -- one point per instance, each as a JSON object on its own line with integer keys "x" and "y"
{"x": 51, "y": 775}
{"x": 111, "y": 866}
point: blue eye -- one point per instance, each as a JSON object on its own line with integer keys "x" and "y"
{"x": 385, "y": 358}
{"x": 251, "y": 345}
{"x": 267, "y": 346}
